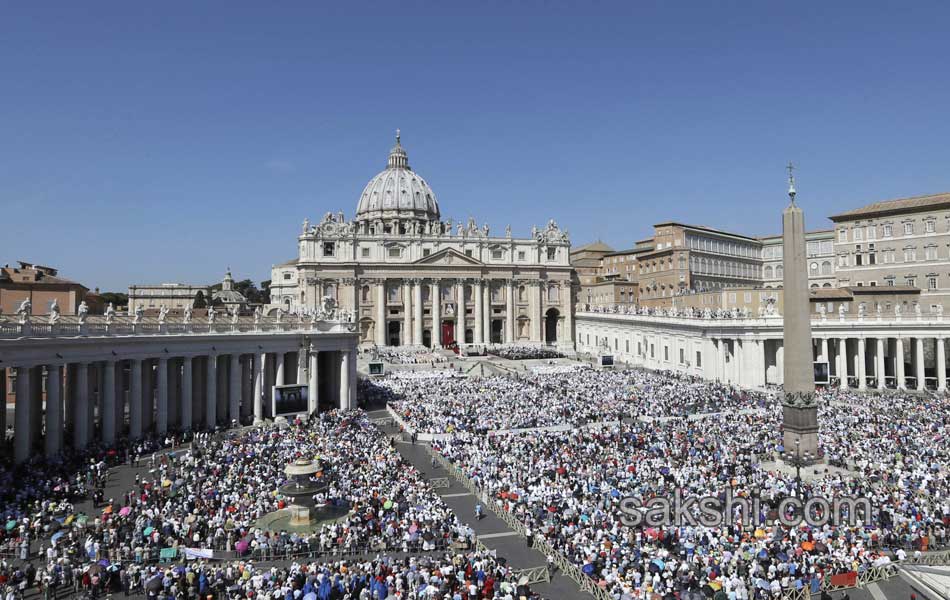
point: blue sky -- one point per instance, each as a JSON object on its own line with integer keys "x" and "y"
{"x": 151, "y": 142}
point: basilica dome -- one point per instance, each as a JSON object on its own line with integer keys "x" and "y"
{"x": 397, "y": 192}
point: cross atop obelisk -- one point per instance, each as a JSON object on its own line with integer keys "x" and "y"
{"x": 791, "y": 180}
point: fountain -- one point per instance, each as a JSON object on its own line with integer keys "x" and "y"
{"x": 309, "y": 506}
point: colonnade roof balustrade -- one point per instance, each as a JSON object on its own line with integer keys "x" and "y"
{"x": 771, "y": 325}
{"x": 36, "y": 340}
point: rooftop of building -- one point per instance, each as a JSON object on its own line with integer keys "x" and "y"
{"x": 896, "y": 206}
{"x": 822, "y": 233}
{"x": 33, "y": 274}
{"x": 597, "y": 246}
{"x": 706, "y": 229}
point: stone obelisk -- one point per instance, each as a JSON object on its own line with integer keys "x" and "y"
{"x": 799, "y": 407}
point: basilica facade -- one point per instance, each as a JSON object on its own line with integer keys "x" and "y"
{"x": 409, "y": 278}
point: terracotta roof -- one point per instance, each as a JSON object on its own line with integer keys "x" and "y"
{"x": 887, "y": 207}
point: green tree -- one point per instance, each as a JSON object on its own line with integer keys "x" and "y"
{"x": 265, "y": 292}
{"x": 118, "y": 299}
{"x": 200, "y": 301}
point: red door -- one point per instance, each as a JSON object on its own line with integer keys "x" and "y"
{"x": 448, "y": 333}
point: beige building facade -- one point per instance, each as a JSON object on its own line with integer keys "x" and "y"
{"x": 904, "y": 242}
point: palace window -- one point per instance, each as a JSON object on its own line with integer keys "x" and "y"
{"x": 426, "y": 252}
{"x": 908, "y": 229}
{"x": 552, "y": 253}
{"x": 497, "y": 254}
{"x": 931, "y": 283}
{"x": 931, "y": 252}
{"x": 930, "y": 225}
{"x": 394, "y": 252}
{"x": 329, "y": 248}
{"x": 364, "y": 252}
{"x": 888, "y": 231}
{"x": 469, "y": 253}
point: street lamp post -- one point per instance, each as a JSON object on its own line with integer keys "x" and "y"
{"x": 798, "y": 460}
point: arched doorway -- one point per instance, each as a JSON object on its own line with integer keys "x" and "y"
{"x": 550, "y": 325}
{"x": 469, "y": 336}
{"x": 427, "y": 338}
{"x": 392, "y": 333}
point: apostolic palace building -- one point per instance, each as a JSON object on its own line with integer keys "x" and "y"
{"x": 410, "y": 278}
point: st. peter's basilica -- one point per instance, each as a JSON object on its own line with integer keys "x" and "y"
{"x": 409, "y": 278}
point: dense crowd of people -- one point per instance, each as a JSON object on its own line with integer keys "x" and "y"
{"x": 566, "y": 486}
{"x": 514, "y": 352}
{"x": 408, "y": 356}
{"x": 209, "y": 499}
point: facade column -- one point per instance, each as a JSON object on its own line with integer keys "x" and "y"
{"x": 879, "y": 370}
{"x": 108, "y": 404}
{"x": 899, "y": 364}
{"x": 479, "y": 332}
{"x": 921, "y": 373}
{"x": 161, "y": 406}
{"x": 313, "y": 383}
{"x": 535, "y": 306}
{"x": 211, "y": 392}
{"x": 407, "y": 312}
{"x": 54, "y": 409}
{"x": 824, "y": 350}
{"x": 843, "y": 363}
{"x": 417, "y": 324}
{"x": 435, "y": 297}
{"x": 234, "y": 389}
{"x": 135, "y": 399}
{"x": 22, "y": 432}
{"x": 380, "y": 313}
{"x": 862, "y": 365}
{"x": 187, "y": 394}
{"x": 567, "y": 305}
{"x": 486, "y": 312}
{"x": 460, "y": 312}
{"x": 510, "y": 312}
{"x": 941, "y": 366}
{"x": 258, "y": 387}
{"x": 345, "y": 380}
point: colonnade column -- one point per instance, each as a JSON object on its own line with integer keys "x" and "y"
{"x": 108, "y": 415}
{"x": 899, "y": 364}
{"x": 479, "y": 315}
{"x": 345, "y": 380}
{"x": 435, "y": 300}
{"x": 721, "y": 368}
{"x": 135, "y": 399}
{"x": 941, "y": 365}
{"x": 258, "y": 387}
{"x": 81, "y": 423}
{"x": 879, "y": 370}
{"x": 460, "y": 311}
{"x": 211, "y": 391}
{"x": 843, "y": 363}
{"x": 486, "y": 312}
{"x": 54, "y": 409}
{"x": 313, "y": 389}
{"x": 234, "y": 388}
{"x": 921, "y": 373}
{"x": 161, "y": 405}
{"x": 407, "y": 312}
{"x": 824, "y": 350}
{"x": 23, "y": 433}
{"x": 279, "y": 368}
{"x": 417, "y": 312}
{"x": 862, "y": 365}
{"x": 380, "y": 313}
{"x": 187, "y": 393}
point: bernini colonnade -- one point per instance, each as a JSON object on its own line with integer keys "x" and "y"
{"x": 94, "y": 383}
{"x": 860, "y": 353}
